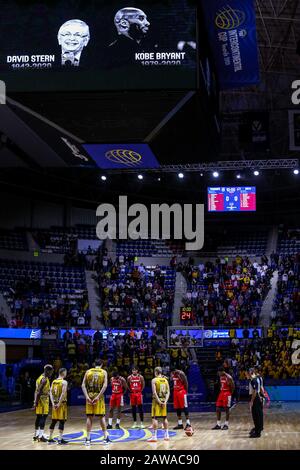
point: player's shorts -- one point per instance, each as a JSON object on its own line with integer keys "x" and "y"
{"x": 61, "y": 413}
{"x": 136, "y": 399}
{"x": 98, "y": 409}
{"x": 180, "y": 400}
{"x": 116, "y": 400}
{"x": 42, "y": 406}
{"x": 224, "y": 400}
{"x": 158, "y": 411}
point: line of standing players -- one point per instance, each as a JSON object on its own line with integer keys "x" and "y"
{"x": 94, "y": 385}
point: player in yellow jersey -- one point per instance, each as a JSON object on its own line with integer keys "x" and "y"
{"x": 58, "y": 397}
{"x": 93, "y": 386}
{"x": 160, "y": 397}
{"x": 41, "y": 403}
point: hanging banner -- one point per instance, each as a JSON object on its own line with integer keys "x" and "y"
{"x": 232, "y": 33}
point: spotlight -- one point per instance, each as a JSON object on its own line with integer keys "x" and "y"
{"x": 256, "y": 173}
{"x": 238, "y": 176}
{"x": 103, "y": 177}
{"x": 216, "y": 174}
{"x": 296, "y": 171}
{"x": 140, "y": 177}
{"x": 180, "y": 175}
{"x": 201, "y": 174}
{"x": 159, "y": 179}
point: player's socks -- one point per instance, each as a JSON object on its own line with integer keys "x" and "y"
{"x": 188, "y": 422}
{"x": 88, "y": 435}
{"x": 62, "y": 442}
{"x": 153, "y": 438}
{"x": 142, "y": 426}
{"x": 110, "y": 420}
{"x": 42, "y": 437}
{"x": 226, "y": 425}
{"x": 118, "y": 424}
{"x": 166, "y": 436}
{"x": 217, "y": 426}
{"x": 135, "y": 425}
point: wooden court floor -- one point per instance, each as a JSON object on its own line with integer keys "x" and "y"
{"x": 282, "y": 432}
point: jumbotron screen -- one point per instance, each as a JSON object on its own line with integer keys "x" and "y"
{"x": 232, "y": 199}
{"x": 97, "y": 45}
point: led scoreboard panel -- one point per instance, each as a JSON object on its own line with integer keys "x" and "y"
{"x": 232, "y": 199}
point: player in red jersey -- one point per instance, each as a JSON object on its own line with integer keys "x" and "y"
{"x": 180, "y": 404}
{"x": 224, "y": 398}
{"x": 136, "y": 385}
{"x": 118, "y": 387}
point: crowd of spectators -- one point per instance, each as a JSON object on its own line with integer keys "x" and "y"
{"x": 119, "y": 352}
{"x": 273, "y": 354}
{"x": 30, "y": 309}
{"x": 286, "y": 308}
{"x": 134, "y": 295}
{"x": 227, "y": 294}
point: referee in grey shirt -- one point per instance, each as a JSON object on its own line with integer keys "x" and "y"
{"x": 256, "y": 404}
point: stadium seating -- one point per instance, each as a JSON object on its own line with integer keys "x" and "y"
{"x": 227, "y": 294}
{"x": 249, "y": 243}
{"x": 147, "y": 248}
{"x": 13, "y": 240}
{"x": 289, "y": 242}
{"x": 63, "y": 240}
{"x": 30, "y": 288}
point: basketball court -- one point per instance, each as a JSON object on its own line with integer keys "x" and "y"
{"x": 282, "y": 432}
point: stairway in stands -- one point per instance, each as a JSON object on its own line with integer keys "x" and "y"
{"x": 94, "y": 299}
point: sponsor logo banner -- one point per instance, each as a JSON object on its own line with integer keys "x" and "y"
{"x": 126, "y": 156}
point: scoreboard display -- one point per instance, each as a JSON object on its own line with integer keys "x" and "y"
{"x": 232, "y": 199}
{"x": 186, "y": 314}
